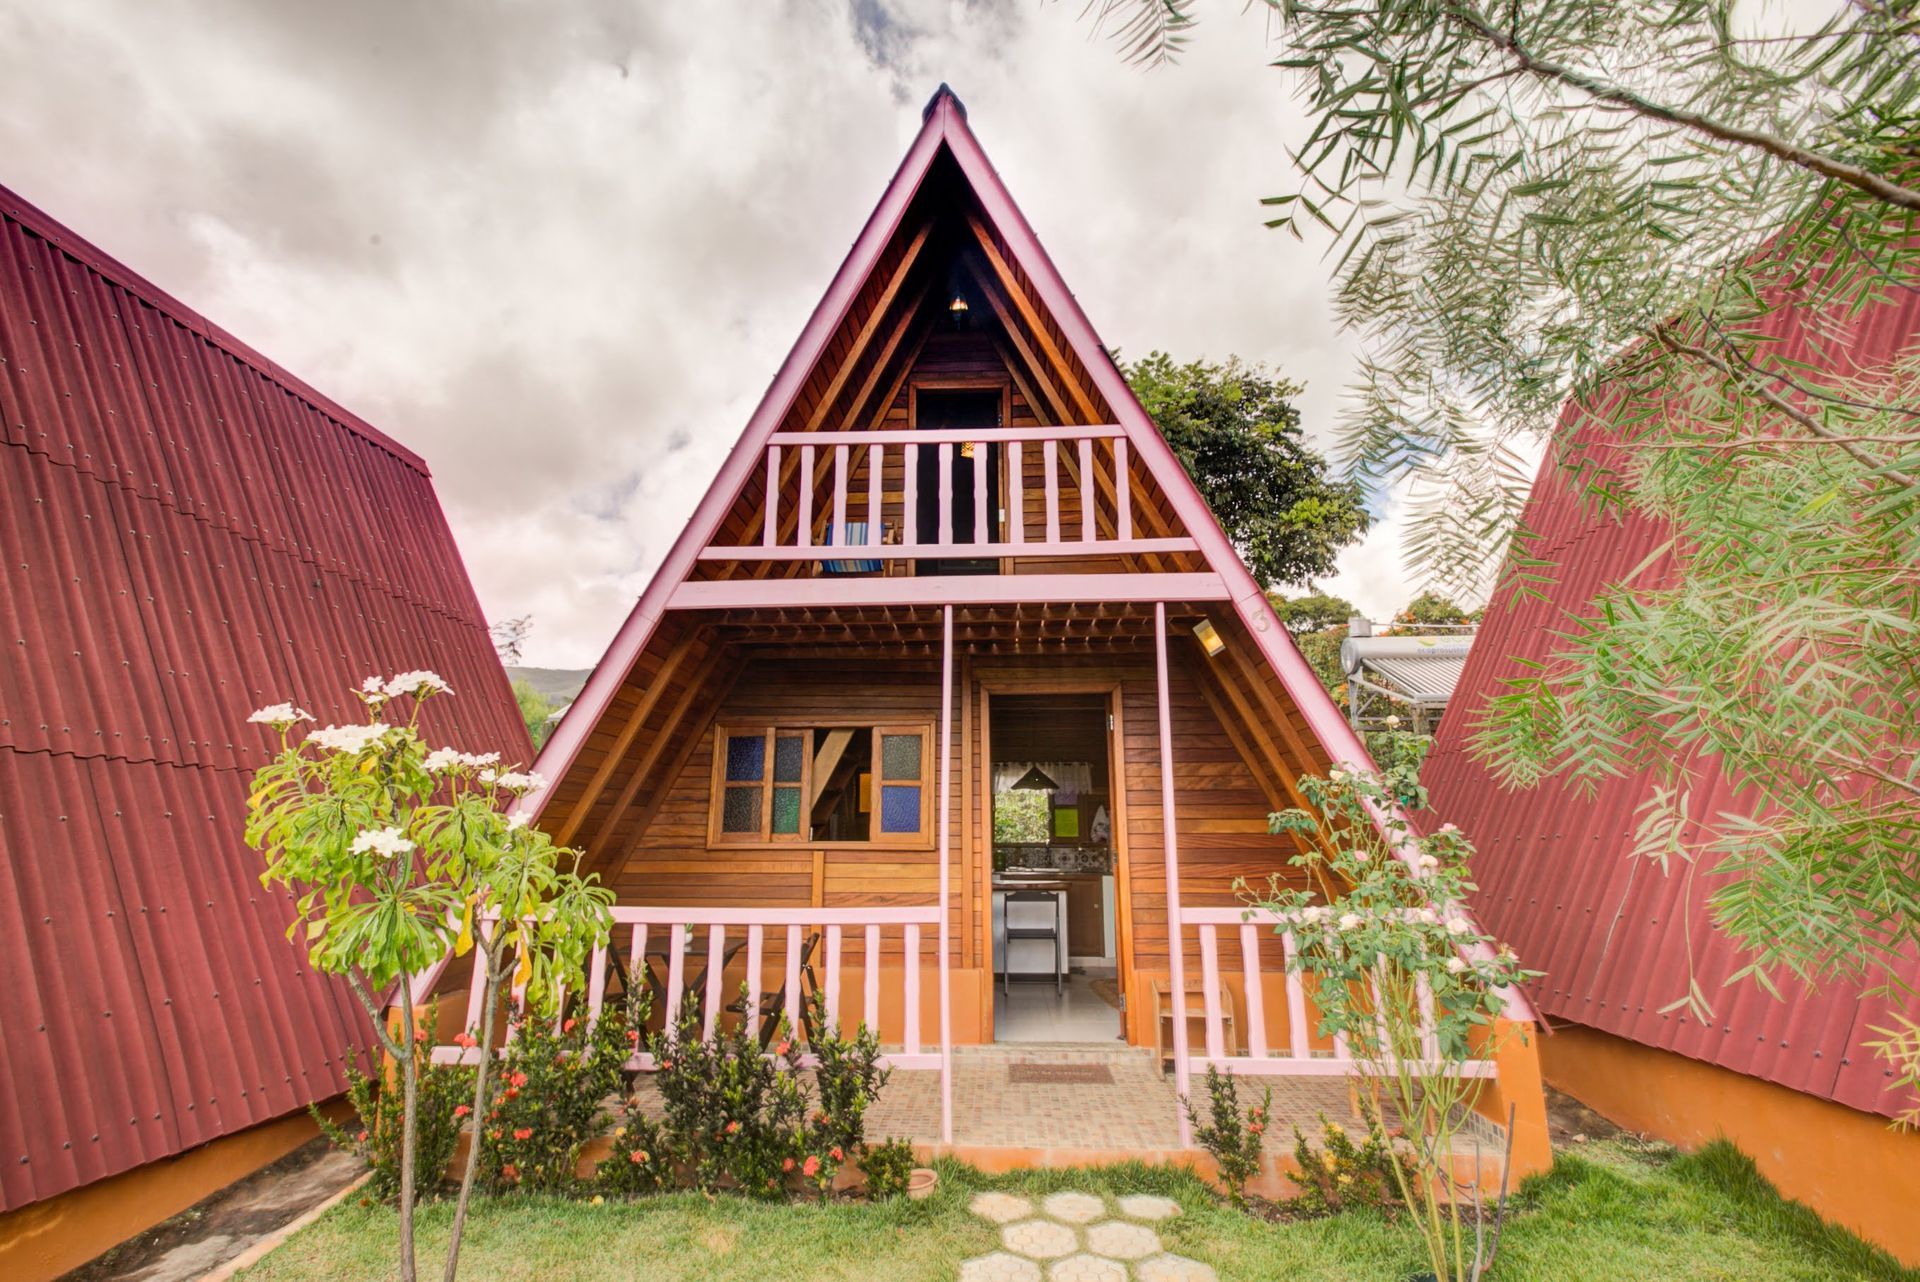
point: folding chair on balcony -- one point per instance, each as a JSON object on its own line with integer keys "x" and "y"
{"x": 774, "y": 1005}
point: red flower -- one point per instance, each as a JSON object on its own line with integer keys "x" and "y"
{"x": 512, "y": 1092}
{"x": 633, "y": 1036}
{"x": 786, "y": 1164}
{"x": 1256, "y": 1127}
{"x": 666, "y": 1065}
{"x": 836, "y": 1154}
{"x": 568, "y": 1026}
{"x": 518, "y": 1079}
{"x": 638, "y": 1156}
{"x": 812, "y": 1168}
{"x": 466, "y": 1040}
{"x": 821, "y": 1117}
{"x": 783, "y": 1048}
{"x": 493, "y": 1134}
{"x": 511, "y": 1171}
{"x": 462, "y": 1111}
{"x": 733, "y": 1128}
{"x": 524, "y": 1133}
{"x": 361, "y": 1137}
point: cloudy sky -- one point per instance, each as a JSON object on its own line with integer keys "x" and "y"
{"x": 559, "y": 249}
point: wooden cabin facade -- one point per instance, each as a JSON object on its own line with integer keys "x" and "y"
{"x": 949, "y": 548}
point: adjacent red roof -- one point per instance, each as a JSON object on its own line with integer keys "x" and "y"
{"x": 187, "y": 532}
{"x": 1557, "y": 879}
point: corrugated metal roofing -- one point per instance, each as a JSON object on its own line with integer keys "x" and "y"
{"x": 1425, "y": 668}
{"x": 1557, "y": 880}
{"x": 186, "y": 532}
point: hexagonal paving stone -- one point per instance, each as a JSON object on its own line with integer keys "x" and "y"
{"x": 999, "y": 1267}
{"x": 1087, "y": 1268}
{"x": 1041, "y": 1239}
{"x": 1174, "y": 1268}
{"x": 1146, "y": 1206}
{"x": 1074, "y": 1208}
{"x": 1001, "y": 1208}
{"x": 1122, "y": 1241}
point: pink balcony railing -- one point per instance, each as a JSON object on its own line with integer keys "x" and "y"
{"x": 1089, "y": 463}
{"x": 768, "y": 950}
{"x": 1298, "y": 1051}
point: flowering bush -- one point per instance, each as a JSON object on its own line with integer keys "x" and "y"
{"x": 552, "y": 1086}
{"x": 399, "y": 854}
{"x": 734, "y": 1117}
{"x": 375, "y": 1138}
{"x": 887, "y": 1167}
{"x": 1234, "y": 1139}
{"x": 1400, "y": 972}
{"x": 847, "y": 1079}
{"x": 1341, "y": 1175}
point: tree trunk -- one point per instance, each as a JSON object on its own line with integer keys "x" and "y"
{"x": 410, "y": 1100}
{"x": 482, "y": 957}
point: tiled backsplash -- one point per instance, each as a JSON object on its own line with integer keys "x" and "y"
{"x": 1054, "y": 858}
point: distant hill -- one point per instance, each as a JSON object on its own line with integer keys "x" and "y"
{"x": 560, "y": 685}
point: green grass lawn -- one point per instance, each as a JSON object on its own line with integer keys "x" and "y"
{"x": 1614, "y": 1210}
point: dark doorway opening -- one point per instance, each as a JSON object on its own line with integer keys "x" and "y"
{"x": 951, "y": 408}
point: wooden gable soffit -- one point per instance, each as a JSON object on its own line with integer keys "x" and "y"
{"x": 1058, "y": 334}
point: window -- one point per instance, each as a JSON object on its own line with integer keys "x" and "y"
{"x": 820, "y": 784}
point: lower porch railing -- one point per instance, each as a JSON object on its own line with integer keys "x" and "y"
{"x": 1258, "y": 935}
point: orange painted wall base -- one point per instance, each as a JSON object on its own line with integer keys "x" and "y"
{"x": 1847, "y": 1165}
{"x": 45, "y": 1239}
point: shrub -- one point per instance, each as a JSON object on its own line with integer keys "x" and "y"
{"x": 1342, "y": 1175}
{"x": 847, "y": 1079}
{"x": 441, "y": 1110}
{"x": 548, "y": 1105}
{"x": 1234, "y": 1139}
{"x": 733, "y": 1116}
{"x": 887, "y": 1168}
{"x": 643, "y": 1157}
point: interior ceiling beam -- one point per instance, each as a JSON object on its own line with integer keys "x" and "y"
{"x": 1036, "y": 325}
{"x": 824, "y": 407}
{"x": 642, "y": 709}
{"x": 709, "y": 663}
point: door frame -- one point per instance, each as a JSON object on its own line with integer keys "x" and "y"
{"x": 990, "y": 681}
{"x": 1001, "y": 383}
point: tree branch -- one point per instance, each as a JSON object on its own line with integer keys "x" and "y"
{"x": 360, "y": 990}
{"x": 1620, "y": 96}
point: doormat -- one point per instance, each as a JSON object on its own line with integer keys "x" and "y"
{"x": 1027, "y": 1074}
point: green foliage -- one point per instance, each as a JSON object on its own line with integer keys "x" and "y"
{"x": 1340, "y": 1175}
{"x": 1234, "y": 1138}
{"x": 734, "y": 1117}
{"x": 847, "y": 1079}
{"x": 552, "y": 1084}
{"x": 535, "y": 709}
{"x": 887, "y": 1167}
{"x": 1022, "y": 816}
{"x": 1235, "y": 430}
{"x": 1429, "y": 610}
{"x": 376, "y": 1138}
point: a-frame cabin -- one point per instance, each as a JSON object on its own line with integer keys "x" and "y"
{"x": 951, "y": 642}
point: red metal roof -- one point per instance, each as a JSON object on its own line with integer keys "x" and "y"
{"x": 187, "y": 532}
{"x": 1557, "y": 879}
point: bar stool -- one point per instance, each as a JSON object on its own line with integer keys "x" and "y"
{"x": 1049, "y": 931}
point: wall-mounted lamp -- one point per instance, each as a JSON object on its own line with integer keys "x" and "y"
{"x": 1209, "y": 639}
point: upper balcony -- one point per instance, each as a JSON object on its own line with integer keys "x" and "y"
{"x": 956, "y": 515}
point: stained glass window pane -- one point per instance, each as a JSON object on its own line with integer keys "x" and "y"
{"x": 741, "y": 812}
{"x": 786, "y": 810}
{"x": 789, "y": 756}
{"x": 899, "y": 807}
{"x": 746, "y": 757}
{"x": 899, "y": 756}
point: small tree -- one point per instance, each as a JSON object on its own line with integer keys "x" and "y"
{"x": 395, "y": 852}
{"x": 1401, "y": 973}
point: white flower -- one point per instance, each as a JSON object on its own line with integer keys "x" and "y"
{"x": 1428, "y": 917}
{"x": 1448, "y": 828}
{"x": 416, "y": 682}
{"x": 448, "y": 758}
{"x": 516, "y": 822}
{"x": 373, "y": 685}
{"x": 513, "y": 780}
{"x": 1427, "y": 863}
{"x": 1393, "y": 719}
{"x": 352, "y": 740}
{"x": 1338, "y": 776}
{"x": 279, "y": 715}
{"x": 1459, "y": 925}
{"x": 1455, "y": 965}
{"x": 1359, "y": 856}
{"x": 385, "y": 841}
{"x": 1349, "y": 921}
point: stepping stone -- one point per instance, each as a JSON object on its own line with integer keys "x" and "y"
{"x": 1146, "y": 1206}
{"x": 1122, "y": 1241}
{"x": 1174, "y": 1268}
{"x": 1001, "y": 1208}
{"x": 1074, "y": 1208}
{"x": 999, "y": 1267}
{"x": 1039, "y": 1239}
{"x": 1087, "y": 1268}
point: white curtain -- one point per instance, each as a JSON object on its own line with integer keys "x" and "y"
{"x": 1074, "y": 777}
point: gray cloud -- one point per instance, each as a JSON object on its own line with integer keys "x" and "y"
{"x": 559, "y": 250}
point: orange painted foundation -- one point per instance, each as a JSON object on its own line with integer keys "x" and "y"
{"x": 1851, "y": 1167}
{"x": 45, "y": 1239}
